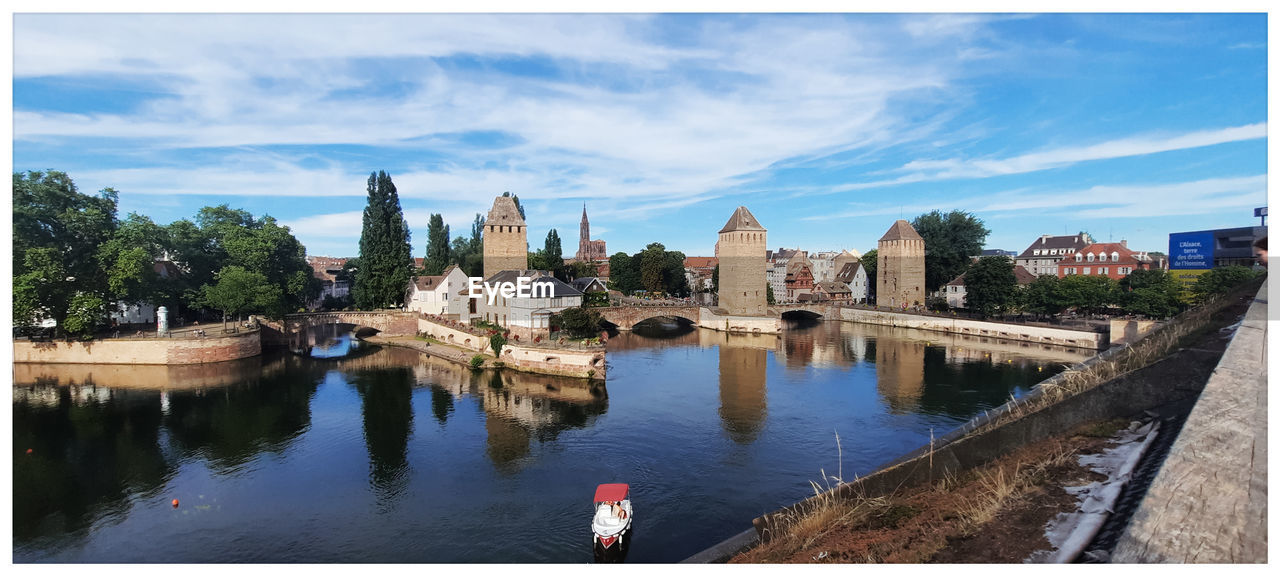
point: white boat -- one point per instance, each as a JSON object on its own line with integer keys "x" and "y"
{"x": 611, "y": 523}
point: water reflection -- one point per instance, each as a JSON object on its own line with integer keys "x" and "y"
{"x": 327, "y": 341}
{"x": 900, "y": 373}
{"x": 386, "y": 408}
{"x": 742, "y": 391}
{"x": 90, "y": 448}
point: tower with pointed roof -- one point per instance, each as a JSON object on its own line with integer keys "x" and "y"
{"x": 900, "y": 267}
{"x": 506, "y": 246}
{"x": 741, "y": 254}
{"x": 588, "y": 250}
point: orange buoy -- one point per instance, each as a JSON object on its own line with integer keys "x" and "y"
{"x": 175, "y": 502}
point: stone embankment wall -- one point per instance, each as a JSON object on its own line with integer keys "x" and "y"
{"x": 748, "y": 324}
{"x": 575, "y": 363}
{"x": 142, "y": 350}
{"x": 1035, "y": 334}
{"x": 1130, "y": 331}
{"x": 453, "y": 336}
{"x": 586, "y": 363}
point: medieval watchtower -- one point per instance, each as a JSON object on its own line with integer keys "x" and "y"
{"x": 505, "y": 243}
{"x": 900, "y": 267}
{"x": 740, "y": 251}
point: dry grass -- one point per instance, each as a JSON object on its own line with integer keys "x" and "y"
{"x": 998, "y": 486}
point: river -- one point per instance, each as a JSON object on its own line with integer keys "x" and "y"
{"x": 379, "y": 454}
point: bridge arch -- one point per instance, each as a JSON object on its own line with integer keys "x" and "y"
{"x": 626, "y": 317}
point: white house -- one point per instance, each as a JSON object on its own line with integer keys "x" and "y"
{"x": 854, "y": 276}
{"x": 529, "y": 314}
{"x": 438, "y": 294}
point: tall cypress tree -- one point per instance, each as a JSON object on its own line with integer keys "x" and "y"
{"x": 553, "y": 254}
{"x": 437, "y": 246}
{"x": 386, "y": 258}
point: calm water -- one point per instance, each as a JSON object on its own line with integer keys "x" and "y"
{"x": 385, "y": 455}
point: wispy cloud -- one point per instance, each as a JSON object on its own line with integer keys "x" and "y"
{"x": 1208, "y": 196}
{"x": 951, "y": 169}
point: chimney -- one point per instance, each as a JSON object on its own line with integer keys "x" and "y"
{"x": 1124, "y": 243}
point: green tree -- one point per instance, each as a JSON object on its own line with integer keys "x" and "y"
{"x": 240, "y": 291}
{"x": 951, "y": 240}
{"x": 438, "y": 256}
{"x": 1153, "y": 293}
{"x": 1221, "y": 280}
{"x": 990, "y": 286}
{"x": 1088, "y": 294}
{"x": 769, "y": 294}
{"x": 715, "y": 279}
{"x": 1042, "y": 296}
{"x": 386, "y": 261}
{"x": 579, "y": 322}
{"x": 623, "y": 273}
{"x": 652, "y": 267}
{"x": 57, "y": 234}
{"x": 582, "y": 270}
{"x": 869, "y": 262}
{"x": 674, "y": 280}
{"x": 553, "y": 255}
{"x": 538, "y": 260}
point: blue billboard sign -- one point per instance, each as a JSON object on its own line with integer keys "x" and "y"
{"x": 1191, "y": 251}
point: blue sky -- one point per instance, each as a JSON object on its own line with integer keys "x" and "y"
{"x": 827, "y": 127}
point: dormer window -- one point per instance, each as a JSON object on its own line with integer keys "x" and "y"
{"x": 1078, "y": 257}
{"x": 1115, "y": 256}
{"x": 1089, "y": 257}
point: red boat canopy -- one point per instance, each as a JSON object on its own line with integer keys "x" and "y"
{"x": 612, "y": 492}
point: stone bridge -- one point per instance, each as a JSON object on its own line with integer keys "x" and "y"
{"x": 625, "y": 317}
{"x": 387, "y": 323}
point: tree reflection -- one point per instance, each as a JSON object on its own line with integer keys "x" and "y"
{"x": 387, "y": 409}
{"x": 91, "y": 449}
{"x": 234, "y": 424}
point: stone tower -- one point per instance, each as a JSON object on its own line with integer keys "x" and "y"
{"x": 740, "y": 251}
{"x": 505, "y": 243}
{"x": 900, "y": 267}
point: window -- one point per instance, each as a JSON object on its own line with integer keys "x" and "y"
{"x": 1086, "y": 270}
{"x": 1036, "y": 253}
{"x": 1115, "y": 256}
{"x": 1078, "y": 258}
{"x": 1089, "y": 257}
{"x": 1102, "y": 270}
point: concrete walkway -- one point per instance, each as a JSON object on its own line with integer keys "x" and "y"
{"x": 1208, "y": 504}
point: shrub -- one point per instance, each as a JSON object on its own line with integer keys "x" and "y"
{"x": 497, "y": 341}
{"x": 477, "y": 361}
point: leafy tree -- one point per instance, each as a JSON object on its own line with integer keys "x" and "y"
{"x": 57, "y": 233}
{"x": 437, "y": 246}
{"x": 768, "y": 293}
{"x": 951, "y": 240}
{"x": 1153, "y": 293}
{"x": 715, "y": 280}
{"x": 538, "y": 260}
{"x": 623, "y": 274}
{"x": 86, "y": 313}
{"x": 240, "y": 291}
{"x": 652, "y": 267}
{"x": 554, "y": 255}
{"x": 386, "y": 260}
{"x": 582, "y": 270}
{"x": 579, "y": 322}
{"x": 1087, "y": 293}
{"x": 1221, "y": 280}
{"x": 1041, "y": 296}
{"x": 468, "y": 253}
{"x": 869, "y": 263}
{"x": 674, "y": 280}
{"x": 990, "y": 286}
